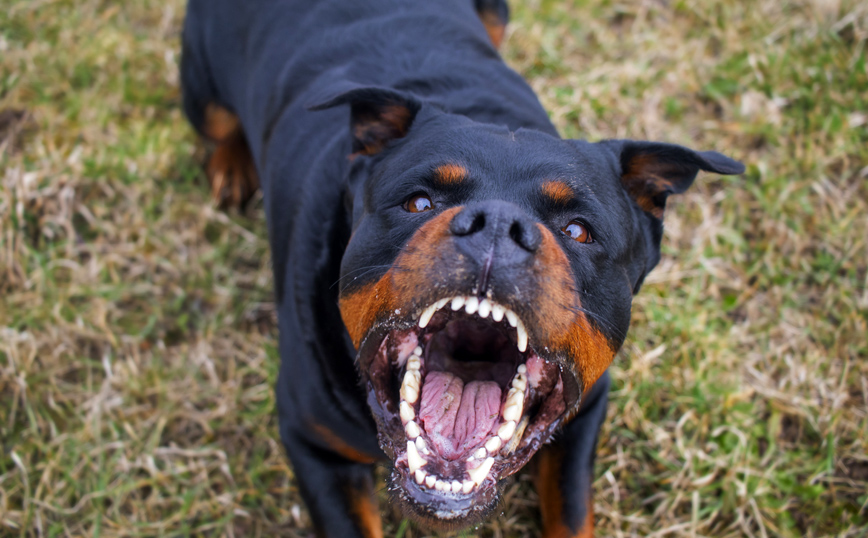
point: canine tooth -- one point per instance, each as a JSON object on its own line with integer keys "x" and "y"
{"x": 521, "y": 333}
{"x": 421, "y": 445}
{"x": 522, "y": 368}
{"x": 471, "y": 305}
{"x": 456, "y": 486}
{"x": 427, "y": 315}
{"x": 412, "y": 430}
{"x": 484, "y": 308}
{"x": 418, "y": 350}
{"x": 497, "y": 312}
{"x": 430, "y": 480}
{"x": 511, "y": 318}
{"x": 479, "y": 474}
{"x": 467, "y": 486}
{"x": 493, "y": 444}
{"x": 441, "y": 303}
{"x": 516, "y": 437}
{"x": 407, "y": 413}
{"x": 480, "y": 453}
{"x": 457, "y": 303}
{"x": 414, "y": 460}
{"x": 505, "y": 432}
{"x": 420, "y": 476}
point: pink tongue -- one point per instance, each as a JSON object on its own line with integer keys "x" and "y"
{"x": 457, "y": 417}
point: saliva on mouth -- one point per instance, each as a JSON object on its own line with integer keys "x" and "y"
{"x": 463, "y": 401}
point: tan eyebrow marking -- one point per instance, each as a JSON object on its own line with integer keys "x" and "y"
{"x": 450, "y": 174}
{"x": 558, "y": 191}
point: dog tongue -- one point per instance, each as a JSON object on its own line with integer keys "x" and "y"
{"x": 456, "y": 416}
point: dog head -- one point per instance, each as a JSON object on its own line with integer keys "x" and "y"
{"x": 488, "y": 283}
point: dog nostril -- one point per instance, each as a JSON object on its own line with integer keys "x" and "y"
{"x": 468, "y": 224}
{"x": 526, "y": 236}
{"x": 478, "y": 223}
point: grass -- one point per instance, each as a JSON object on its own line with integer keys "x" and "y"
{"x": 137, "y": 332}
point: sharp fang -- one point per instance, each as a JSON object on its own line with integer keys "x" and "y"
{"x": 493, "y": 444}
{"x": 412, "y": 430}
{"x": 484, "y": 308}
{"x": 511, "y": 318}
{"x": 407, "y": 413}
{"x": 414, "y": 460}
{"x": 467, "y": 486}
{"x": 456, "y": 486}
{"x": 430, "y": 480}
{"x": 505, "y": 432}
{"x": 481, "y": 453}
{"x": 521, "y": 337}
{"x": 497, "y": 312}
{"x": 457, "y": 303}
{"x": 471, "y": 305}
{"x": 516, "y": 437}
{"x": 479, "y": 474}
{"x": 427, "y": 315}
{"x": 420, "y": 476}
{"x": 441, "y": 303}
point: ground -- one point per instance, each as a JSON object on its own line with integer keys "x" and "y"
{"x": 137, "y": 328}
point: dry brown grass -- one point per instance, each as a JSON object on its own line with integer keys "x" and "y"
{"x": 137, "y": 330}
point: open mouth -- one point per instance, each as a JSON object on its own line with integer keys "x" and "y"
{"x": 463, "y": 400}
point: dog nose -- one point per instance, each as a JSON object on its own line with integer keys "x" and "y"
{"x": 496, "y": 224}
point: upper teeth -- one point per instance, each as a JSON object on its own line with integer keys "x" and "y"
{"x": 481, "y": 307}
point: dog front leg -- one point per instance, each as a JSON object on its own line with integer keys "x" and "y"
{"x": 338, "y": 492}
{"x": 565, "y": 470}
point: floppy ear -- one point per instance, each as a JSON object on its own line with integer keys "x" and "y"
{"x": 378, "y": 115}
{"x": 651, "y": 171}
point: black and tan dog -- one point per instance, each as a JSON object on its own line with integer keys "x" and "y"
{"x": 452, "y": 278}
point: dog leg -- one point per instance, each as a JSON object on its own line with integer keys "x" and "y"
{"x": 338, "y": 492}
{"x": 494, "y": 15}
{"x": 565, "y": 470}
{"x": 230, "y": 169}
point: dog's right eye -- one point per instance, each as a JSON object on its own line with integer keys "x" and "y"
{"x": 419, "y": 203}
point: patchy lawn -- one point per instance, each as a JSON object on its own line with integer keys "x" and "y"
{"x": 137, "y": 329}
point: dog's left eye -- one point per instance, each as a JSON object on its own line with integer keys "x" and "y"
{"x": 578, "y": 231}
{"x": 419, "y": 203}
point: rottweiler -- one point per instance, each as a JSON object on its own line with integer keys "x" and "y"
{"x": 452, "y": 278}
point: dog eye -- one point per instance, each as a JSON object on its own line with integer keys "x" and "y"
{"x": 419, "y": 203}
{"x": 578, "y": 231}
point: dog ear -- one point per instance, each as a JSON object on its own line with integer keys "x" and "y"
{"x": 378, "y": 115}
{"x": 651, "y": 171}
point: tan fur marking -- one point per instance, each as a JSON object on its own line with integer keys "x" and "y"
{"x": 558, "y": 192}
{"x": 338, "y": 445}
{"x": 364, "y": 509}
{"x": 450, "y": 174}
{"x": 494, "y": 26}
{"x": 566, "y": 327}
{"x": 220, "y": 124}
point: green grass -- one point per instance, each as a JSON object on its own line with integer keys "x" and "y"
{"x": 137, "y": 332}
